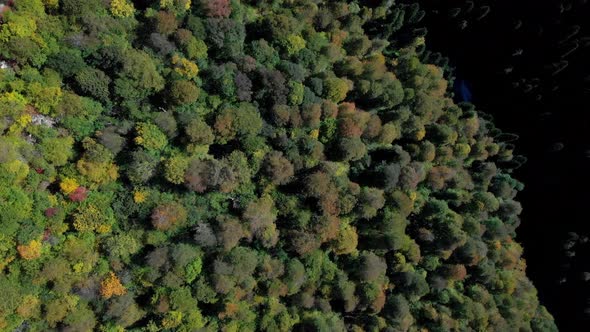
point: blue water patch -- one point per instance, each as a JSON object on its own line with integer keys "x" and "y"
{"x": 463, "y": 90}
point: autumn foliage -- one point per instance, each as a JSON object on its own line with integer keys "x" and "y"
{"x": 216, "y": 8}
{"x": 30, "y": 251}
{"x": 111, "y": 286}
{"x": 168, "y": 215}
{"x": 217, "y": 165}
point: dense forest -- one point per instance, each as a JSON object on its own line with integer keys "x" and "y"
{"x": 248, "y": 165}
{"x": 538, "y": 62}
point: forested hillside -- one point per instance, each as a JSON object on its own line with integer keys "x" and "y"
{"x": 248, "y": 165}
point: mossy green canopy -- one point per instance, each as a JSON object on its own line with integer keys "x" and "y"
{"x": 248, "y": 165}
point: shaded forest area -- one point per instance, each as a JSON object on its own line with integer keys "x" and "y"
{"x": 514, "y": 58}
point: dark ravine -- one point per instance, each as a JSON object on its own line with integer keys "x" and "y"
{"x": 514, "y": 57}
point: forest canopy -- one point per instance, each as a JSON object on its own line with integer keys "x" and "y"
{"x": 253, "y": 165}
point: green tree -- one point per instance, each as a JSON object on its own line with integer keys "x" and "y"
{"x": 351, "y": 149}
{"x": 199, "y": 132}
{"x": 184, "y": 92}
{"x": 57, "y": 150}
{"x": 336, "y": 89}
{"x": 142, "y": 167}
{"x": 94, "y": 82}
{"x": 139, "y": 77}
{"x": 79, "y": 114}
{"x": 150, "y": 136}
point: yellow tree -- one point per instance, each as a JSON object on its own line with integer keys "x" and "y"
{"x": 185, "y": 67}
{"x": 111, "y": 286}
{"x": 121, "y": 8}
{"x": 30, "y": 251}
